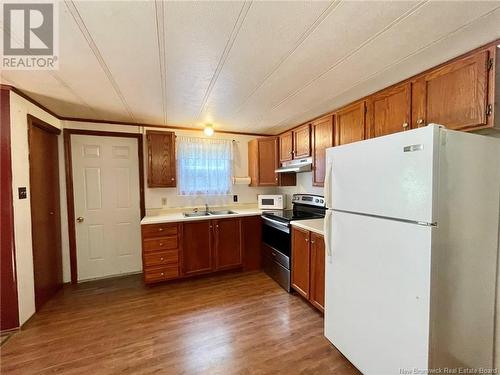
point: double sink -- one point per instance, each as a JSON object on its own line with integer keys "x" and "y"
{"x": 208, "y": 213}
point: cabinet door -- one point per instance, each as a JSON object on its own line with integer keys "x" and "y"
{"x": 196, "y": 247}
{"x": 455, "y": 95}
{"x": 251, "y": 228}
{"x": 268, "y": 161}
{"x": 322, "y": 138}
{"x": 227, "y": 243}
{"x": 350, "y": 124}
{"x": 286, "y": 147}
{"x": 161, "y": 159}
{"x": 317, "y": 294}
{"x": 300, "y": 261}
{"x": 389, "y": 111}
{"x": 302, "y": 142}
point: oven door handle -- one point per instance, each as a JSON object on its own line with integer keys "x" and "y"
{"x": 277, "y": 224}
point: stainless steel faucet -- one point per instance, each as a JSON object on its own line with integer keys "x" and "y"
{"x": 206, "y": 208}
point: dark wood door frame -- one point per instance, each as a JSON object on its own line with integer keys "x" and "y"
{"x": 9, "y": 313}
{"x": 45, "y": 247}
{"x": 70, "y": 199}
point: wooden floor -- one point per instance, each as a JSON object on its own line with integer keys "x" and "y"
{"x": 231, "y": 324}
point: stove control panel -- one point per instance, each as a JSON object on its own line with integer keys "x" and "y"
{"x": 309, "y": 199}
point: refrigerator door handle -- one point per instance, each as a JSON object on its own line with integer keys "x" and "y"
{"x": 328, "y": 234}
{"x": 328, "y": 184}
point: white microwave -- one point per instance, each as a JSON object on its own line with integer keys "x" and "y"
{"x": 271, "y": 202}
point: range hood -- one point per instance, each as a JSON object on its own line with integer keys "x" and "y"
{"x": 297, "y": 166}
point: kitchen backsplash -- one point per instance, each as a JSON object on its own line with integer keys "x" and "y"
{"x": 304, "y": 185}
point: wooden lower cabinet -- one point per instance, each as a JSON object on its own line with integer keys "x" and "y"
{"x": 227, "y": 233}
{"x": 251, "y": 228}
{"x": 184, "y": 249}
{"x": 197, "y": 254}
{"x": 300, "y": 261}
{"x": 317, "y": 274}
{"x": 308, "y": 266}
{"x": 160, "y": 252}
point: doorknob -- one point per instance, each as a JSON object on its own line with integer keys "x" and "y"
{"x": 80, "y": 219}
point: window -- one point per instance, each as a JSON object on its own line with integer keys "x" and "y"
{"x": 204, "y": 166}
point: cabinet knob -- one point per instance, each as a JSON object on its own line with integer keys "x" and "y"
{"x": 163, "y": 274}
{"x": 312, "y": 241}
{"x": 161, "y": 244}
{"x": 420, "y": 121}
{"x": 217, "y": 226}
{"x": 405, "y": 125}
{"x": 160, "y": 229}
{"x": 173, "y": 179}
{"x": 161, "y": 258}
{"x": 307, "y": 239}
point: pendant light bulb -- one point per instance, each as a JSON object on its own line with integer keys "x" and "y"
{"x": 209, "y": 130}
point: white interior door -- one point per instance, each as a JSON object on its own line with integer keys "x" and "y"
{"x": 377, "y": 290}
{"x": 107, "y": 205}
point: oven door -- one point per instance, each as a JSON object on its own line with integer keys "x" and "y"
{"x": 276, "y": 235}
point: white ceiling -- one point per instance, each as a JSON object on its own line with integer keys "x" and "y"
{"x": 260, "y": 66}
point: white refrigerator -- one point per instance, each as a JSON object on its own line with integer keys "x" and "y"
{"x": 412, "y": 238}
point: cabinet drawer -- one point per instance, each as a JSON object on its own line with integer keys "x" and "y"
{"x": 161, "y": 258}
{"x": 159, "y": 230}
{"x": 155, "y": 274}
{"x": 160, "y": 244}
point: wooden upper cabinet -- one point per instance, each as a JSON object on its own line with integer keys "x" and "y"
{"x": 389, "y": 111}
{"x": 268, "y": 161}
{"x": 317, "y": 292}
{"x": 322, "y": 138}
{"x": 455, "y": 95}
{"x": 228, "y": 246}
{"x": 300, "y": 261}
{"x": 196, "y": 247}
{"x": 302, "y": 142}
{"x": 350, "y": 123}
{"x": 161, "y": 159}
{"x": 286, "y": 146}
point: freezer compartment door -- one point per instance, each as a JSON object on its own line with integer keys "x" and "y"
{"x": 390, "y": 176}
{"x": 377, "y": 293}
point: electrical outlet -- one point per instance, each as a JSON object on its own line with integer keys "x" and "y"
{"x": 22, "y": 193}
{"x": 235, "y": 198}
{"x": 163, "y": 201}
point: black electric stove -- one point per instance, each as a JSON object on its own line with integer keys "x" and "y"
{"x": 276, "y": 234}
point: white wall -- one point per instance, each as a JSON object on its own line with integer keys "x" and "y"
{"x": 19, "y": 109}
{"x": 304, "y": 185}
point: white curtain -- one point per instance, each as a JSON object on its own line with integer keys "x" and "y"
{"x": 204, "y": 166}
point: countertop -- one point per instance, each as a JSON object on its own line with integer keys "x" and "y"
{"x": 176, "y": 216}
{"x": 313, "y": 225}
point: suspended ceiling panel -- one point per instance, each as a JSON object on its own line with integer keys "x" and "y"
{"x": 244, "y": 66}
